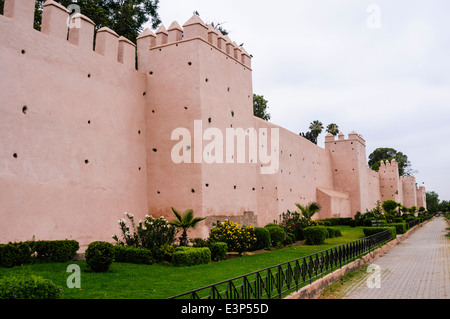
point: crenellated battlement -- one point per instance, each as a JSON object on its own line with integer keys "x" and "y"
{"x": 76, "y": 29}
{"x": 192, "y": 29}
{"x": 352, "y": 137}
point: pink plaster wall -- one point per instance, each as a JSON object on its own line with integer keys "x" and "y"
{"x": 95, "y": 138}
{"x": 62, "y": 105}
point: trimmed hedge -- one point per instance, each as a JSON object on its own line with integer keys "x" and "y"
{"x": 400, "y": 228}
{"x": 218, "y": 251}
{"x": 315, "y": 235}
{"x": 263, "y": 239}
{"x": 277, "y": 234}
{"x": 336, "y": 221}
{"x": 191, "y": 256}
{"x": 28, "y": 287}
{"x": 333, "y": 232}
{"x": 369, "y": 231}
{"x": 58, "y": 251}
{"x": 99, "y": 256}
{"x": 133, "y": 255}
{"x": 16, "y": 254}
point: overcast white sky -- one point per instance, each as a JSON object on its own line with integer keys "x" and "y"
{"x": 319, "y": 60}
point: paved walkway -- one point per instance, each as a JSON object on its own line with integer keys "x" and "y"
{"x": 417, "y": 268}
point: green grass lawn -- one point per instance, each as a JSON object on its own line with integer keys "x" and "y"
{"x": 129, "y": 281}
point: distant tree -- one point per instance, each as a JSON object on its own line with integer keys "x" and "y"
{"x": 432, "y": 202}
{"x": 125, "y": 17}
{"x": 260, "y": 107}
{"x": 390, "y": 206}
{"x": 387, "y": 154}
{"x": 316, "y": 128}
{"x": 218, "y": 27}
{"x": 333, "y": 129}
{"x": 444, "y": 206}
{"x": 309, "y": 136}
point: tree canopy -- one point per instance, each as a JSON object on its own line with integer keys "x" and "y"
{"x": 260, "y": 107}
{"x": 125, "y": 17}
{"x": 383, "y": 154}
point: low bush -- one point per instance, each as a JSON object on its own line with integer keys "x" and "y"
{"x": 315, "y": 235}
{"x": 400, "y": 228}
{"x": 277, "y": 234}
{"x": 99, "y": 256}
{"x": 263, "y": 240}
{"x": 16, "y": 254}
{"x": 289, "y": 240}
{"x": 238, "y": 238}
{"x": 133, "y": 255}
{"x": 369, "y": 231}
{"x": 218, "y": 251}
{"x": 58, "y": 251}
{"x": 191, "y": 256}
{"x": 28, "y": 287}
{"x": 333, "y": 232}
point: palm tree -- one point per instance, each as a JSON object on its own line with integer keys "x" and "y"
{"x": 316, "y": 128}
{"x": 309, "y": 210}
{"x": 333, "y": 129}
{"x": 185, "y": 222}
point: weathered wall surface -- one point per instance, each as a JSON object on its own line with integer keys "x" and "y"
{"x": 72, "y": 136}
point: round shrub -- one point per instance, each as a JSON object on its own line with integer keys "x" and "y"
{"x": 99, "y": 256}
{"x": 28, "y": 287}
{"x": 277, "y": 234}
{"x": 262, "y": 239}
{"x": 218, "y": 251}
{"x": 315, "y": 235}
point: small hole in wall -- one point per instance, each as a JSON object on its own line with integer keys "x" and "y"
{"x": 151, "y": 72}
{"x": 209, "y": 120}
{"x": 235, "y": 186}
{"x": 15, "y": 155}
{"x": 139, "y": 132}
{"x": 253, "y": 189}
{"x": 23, "y": 51}
{"x": 143, "y": 94}
{"x": 207, "y": 185}
{"x": 232, "y": 114}
{"x": 89, "y": 76}
{"x": 139, "y": 168}
{"x": 189, "y": 63}
{"x": 193, "y": 190}
{"x": 185, "y": 107}
{"x": 206, "y": 80}
{"x": 158, "y": 192}
{"x": 24, "y": 109}
{"x": 155, "y": 150}
{"x": 153, "y": 111}
{"x": 89, "y": 122}
{"x": 86, "y": 161}
{"x": 228, "y": 90}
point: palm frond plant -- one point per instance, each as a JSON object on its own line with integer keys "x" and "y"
{"x": 185, "y": 222}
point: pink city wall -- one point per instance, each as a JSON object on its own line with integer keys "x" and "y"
{"x": 85, "y": 137}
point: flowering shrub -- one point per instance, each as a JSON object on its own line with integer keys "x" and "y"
{"x": 238, "y": 238}
{"x": 150, "y": 233}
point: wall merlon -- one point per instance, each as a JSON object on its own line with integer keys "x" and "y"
{"x": 194, "y": 28}
{"x": 107, "y": 43}
{"x": 175, "y": 32}
{"x": 162, "y": 36}
{"x": 55, "y": 20}
{"x": 127, "y": 52}
{"x": 213, "y": 36}
{"x": 329, "y": 138}
{"x": 22, "y": 11}
{"x": 81, "y": 31}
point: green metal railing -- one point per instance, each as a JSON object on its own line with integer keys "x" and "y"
{"x": 275, "y": 282}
